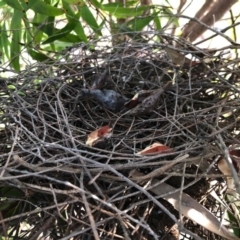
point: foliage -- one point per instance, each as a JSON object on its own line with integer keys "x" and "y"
{"x": 44, "y": 27}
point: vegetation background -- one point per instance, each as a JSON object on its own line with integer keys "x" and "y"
{"x": 40, "y": 42}
{"x": 35, "y": 30}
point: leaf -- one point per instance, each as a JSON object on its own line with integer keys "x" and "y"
{"x": 80, "y": 32}
{"x": 20, "y": 93}
{"x": 79, "y": 28}
{"x": 76, "y": 2}
{"x": 15, "y": 4}
{"x": 38, "y": 35}
{"x": 37, "y": 55}
{"x": 157, "y": 23}
{"x": 49, "y": 22}
{"x": 69, "y": 38}
{"x": 5, "y": 41}
{"x": 123, "y": 12}
{"x": 27, "y": 35}
{"x": 235, "y": 153}
{"x": 46, "y": 9}
{"x": 88, "y": 17}
{"x": 4, "y": 205}
{"x": 224, "y": 168}
{"x": 28, "y": 4}
{"x": 48, "y": 25}
{"x": 139, "y": 23}
{"x": 11, "y": 87}
{"x": 2, "y": 4}
{"x": 64, "y": 31}
{"x": 233, "y": 219}
{"x": 155, "y": 149}
{"x": 96, "y": 4}
{"x": 104, "y": 132}
{"x": 16, "y": 36}
{"x": 189, "y": 207}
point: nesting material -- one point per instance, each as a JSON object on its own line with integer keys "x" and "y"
{"x": 81, "y": 187}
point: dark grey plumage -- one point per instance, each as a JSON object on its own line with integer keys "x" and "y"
{"x": 109, "y": 99}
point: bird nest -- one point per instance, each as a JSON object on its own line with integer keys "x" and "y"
{"x": 81, "y": 146}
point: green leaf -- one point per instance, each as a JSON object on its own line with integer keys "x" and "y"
{"x": 37, "y": 81}
{"x": 70, "y": 38}
{"x": 231, "y": 218}
{"x": 96, "y": 4}
{"x": 113, "y": 5}
{"x": 27, "y": 34}
{"x": 64, "y": 31}
{"x": 5, "y": 41}
{"x": 157, "y": 22}
{"x": 88, "y": 17}
{"x": 49, "y": 26}
{"x": 27, "y": 4}
{"x": 11, "y": 87}
{"x": 77, "y": 2}
{"x": 48, "y": 23}
{"x": 139, "y": 23}
{"x": 4, "y": 205}
{"x": 46, "y": 9}
{"x": 38, "y": 35}
{"x": 123, "y": 12}
{"x": 16, "y": 37}
{"x": 2, "y": 4}
{"x": 80, "y": 32}
{"x": 20, "y": 93}
{"x": 15, "y": 4}
{"x": 37, "y": 55}
{"x": 78, "y": 29}
{"x": 10, "y": 192}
